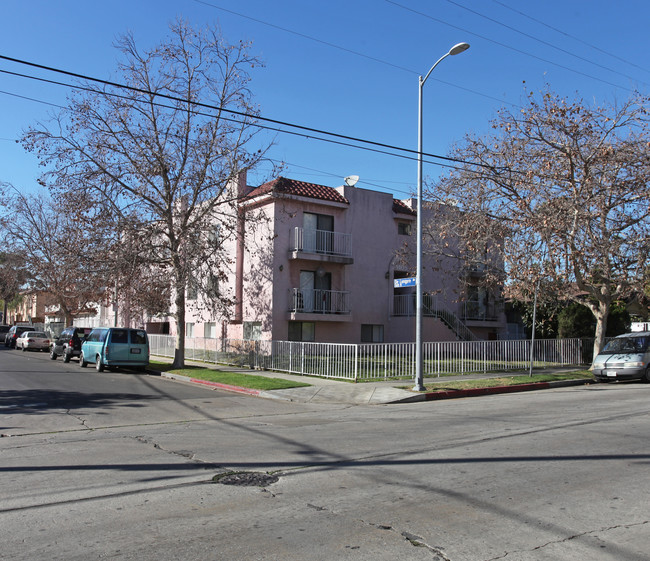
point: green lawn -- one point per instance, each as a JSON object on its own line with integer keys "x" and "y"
{"x": 238, "y": 379}
{"x": 508, "y": 381}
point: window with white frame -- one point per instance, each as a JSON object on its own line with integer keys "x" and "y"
{"x": 210, "y": 330}
{"x": 189, "y": 329}
{"x": 372, "y": 333}
{"x": 302, "y": 331}
{"x": 252, "y": 330}
{"x": 192, "y": 290}
{"x": 404, "y": 228}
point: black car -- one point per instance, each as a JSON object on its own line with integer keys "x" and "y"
{"x": 4, "y": 329}
{"x": 68, "y": 344}
{"x": 14, "y": 332}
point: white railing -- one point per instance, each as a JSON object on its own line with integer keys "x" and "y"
{"x": 321, "y": 241}
{"x": 314, "y": 301}
{"x": 380, "y": 361}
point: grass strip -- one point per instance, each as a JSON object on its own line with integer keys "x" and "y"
{"x": 238, "y": 379}
{"x": 507, "y": 381}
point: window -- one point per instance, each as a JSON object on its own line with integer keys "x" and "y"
{"x": 302, "y": 331}
{"x": 120, "y": 336}
{"x": 189, "y": 329}
{"x": 210, "y": 330}
{"x": 318, "y": 232}
{"x": 252, "y": 330}
{"x": 372, "y": 333}
{"x": 214, "y": 236}
{"x": 212, "y": 287}
{"x": 192, "y": 291}
{"x": 404, "y": 228}
{"x": 139, "y": 337}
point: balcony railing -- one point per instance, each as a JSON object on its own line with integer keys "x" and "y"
{"x": 321, "y": 241}
{"x": 405, "y": 304}
{"x": 477, "y": 311}
{"x": 313, "y": 301}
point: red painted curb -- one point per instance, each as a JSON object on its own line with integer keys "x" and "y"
{"x": 451, "y": 394}
{"x": 226, "y": 387}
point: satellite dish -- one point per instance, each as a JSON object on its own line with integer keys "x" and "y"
{"x": 351, "y": 180}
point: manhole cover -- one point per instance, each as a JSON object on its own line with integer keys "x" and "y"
{"x": 246, "y": 479}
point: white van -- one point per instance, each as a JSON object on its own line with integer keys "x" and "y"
{"x": 626, "y": 357}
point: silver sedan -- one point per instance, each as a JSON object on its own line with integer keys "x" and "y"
{"x": 33, "y": 341}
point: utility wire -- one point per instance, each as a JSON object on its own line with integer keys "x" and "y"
{"x": 547, "y": 43}
{"x": 504, "y": 45}
{"x": 620, "y": 59}
{"x": 342, "y": 139}
{"x": 350, "y": 51}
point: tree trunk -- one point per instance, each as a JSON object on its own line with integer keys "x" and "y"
{"x": 179, "y": 350}
{"x": 601, "y": 314}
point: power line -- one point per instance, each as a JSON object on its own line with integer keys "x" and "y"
{"x": 620, "y": 59}
{"x": 342, "y": 139}
{"x": 350, "y": 51}
{"x": 504, "y": 45}
{"x": 547, "y": 43}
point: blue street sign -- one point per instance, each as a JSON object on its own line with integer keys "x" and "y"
{"x": 403, "y": 283}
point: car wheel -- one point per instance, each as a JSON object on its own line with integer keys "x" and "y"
{"x": 23, "y": 348}
{"x": 66, "y": 357}
{"x": 52, "y": 355}
{"x": 646, "y": 376}
{"x": 82, "y": 361}
{"x": 99, "y": 365}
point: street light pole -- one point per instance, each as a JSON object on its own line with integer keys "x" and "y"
{"x": 419, "y": 380}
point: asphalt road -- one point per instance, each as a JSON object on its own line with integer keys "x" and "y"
{"x": 120, "y": 465}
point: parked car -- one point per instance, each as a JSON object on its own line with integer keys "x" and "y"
{"x": 14, "y": 332}
{"x": 33, "y": 341}
{"x": 68, "y": 343}
{"x": 107, "y": 347}
{"x": 4, "y": 329}
{"x": 626, "y": 357}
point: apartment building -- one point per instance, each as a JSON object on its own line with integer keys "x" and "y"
{"x": 317, "y": 263}
{"x": 30, "y": 308}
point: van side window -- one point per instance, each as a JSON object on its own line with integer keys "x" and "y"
{"x": 102, "y": 336}
{"x": 120, "y": 336}
{"x": 139, "y": 337}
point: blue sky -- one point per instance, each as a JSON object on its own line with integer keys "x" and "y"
{"x": 349, "y": 67}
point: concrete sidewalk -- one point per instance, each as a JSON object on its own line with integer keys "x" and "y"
{"x": 323, "y": 390}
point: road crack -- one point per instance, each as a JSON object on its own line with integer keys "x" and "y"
{"x": 414, "y": 540}
{"x": 187, "y": 454}
{"x": 80, "y": 419}
{"x": 569, "y": 538}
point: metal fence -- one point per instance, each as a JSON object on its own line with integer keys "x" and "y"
{"x": 380, "y": 361}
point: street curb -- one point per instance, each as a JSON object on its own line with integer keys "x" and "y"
{"x": 226, "y": 387}
{"x": 415, "y": 398}
{"x": 455, "y": 394}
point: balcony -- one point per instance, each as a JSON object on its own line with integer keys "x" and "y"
{"x": 320, "y": 245}
{"x": 473, "y": 310}
{"x": 319, "y": 304}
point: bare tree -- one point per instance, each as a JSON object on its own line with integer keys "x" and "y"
{"x": 12, "y": 274}
{"x": 160, "y": 156}
{"x": 53, "y": 247}
{"x": 560, "y": 193}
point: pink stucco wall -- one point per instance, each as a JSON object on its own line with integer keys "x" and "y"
{"x": 270, "y": 271}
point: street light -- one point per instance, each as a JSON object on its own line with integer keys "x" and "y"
{"x": 419, "y": 382}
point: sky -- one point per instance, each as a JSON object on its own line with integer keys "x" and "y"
{"x": 348, "y": 67}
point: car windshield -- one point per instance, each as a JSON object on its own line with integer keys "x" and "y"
{"x": 627, "y": 345}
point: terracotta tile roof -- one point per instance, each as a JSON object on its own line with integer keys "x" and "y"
{"x": 282, "y": 185}
{"x": 402, "y": 208}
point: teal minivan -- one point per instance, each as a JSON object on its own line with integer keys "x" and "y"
{"x": 107, "y": 347}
